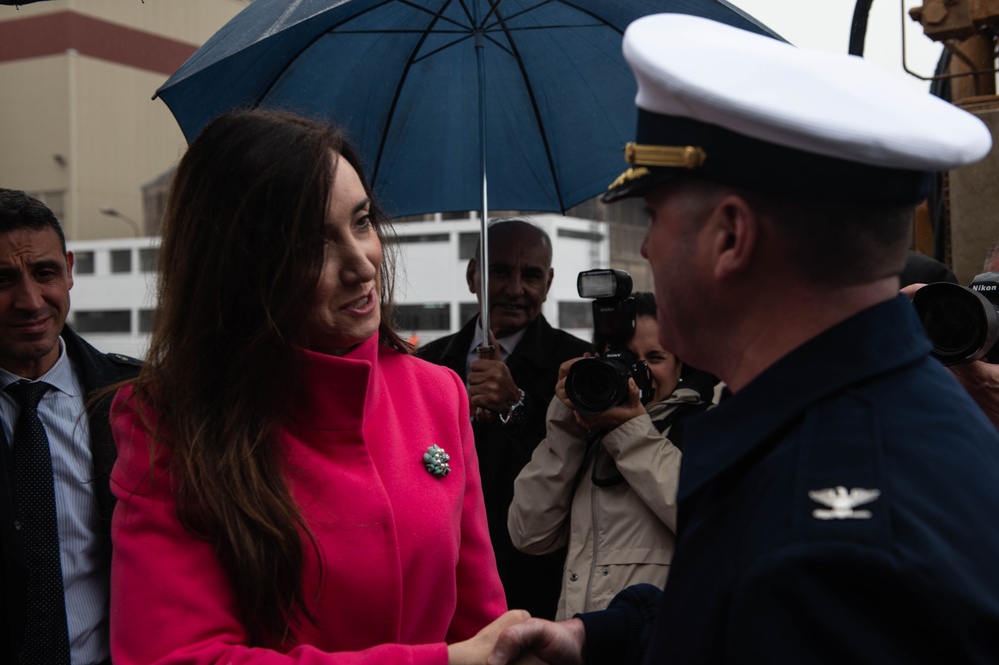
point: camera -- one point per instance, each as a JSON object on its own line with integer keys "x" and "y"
{"x": 961, "y": 322}
{"x": 596, "y": 384}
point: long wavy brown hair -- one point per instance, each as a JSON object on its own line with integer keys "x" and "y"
{"x": 241, "y": 254}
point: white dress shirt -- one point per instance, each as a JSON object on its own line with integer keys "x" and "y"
{"x": 86, "y": 563}
{"x": 506, "y": 344}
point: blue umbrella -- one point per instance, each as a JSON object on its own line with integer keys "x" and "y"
{"x": 454, "y": 105}
{"x": 417, "y": 83}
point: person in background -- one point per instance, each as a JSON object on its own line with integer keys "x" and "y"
{"x": 605, "y": 485}
{"x": 509, "y": 394}
{"x": 920, "y": 268}
{"x": 56, "y": 503}
{"x": 293, "y": 486}
{"x": 979, "y": 377}
{"x": 838, "y": 505}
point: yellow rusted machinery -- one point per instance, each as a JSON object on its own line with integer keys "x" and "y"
{"x": 966, "y": 218}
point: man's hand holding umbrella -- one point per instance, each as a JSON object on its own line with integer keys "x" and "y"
{"x": 491, "y": 388}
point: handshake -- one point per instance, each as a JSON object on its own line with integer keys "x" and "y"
{"x": 517, "y": 639}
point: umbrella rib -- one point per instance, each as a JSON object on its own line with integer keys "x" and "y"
{"x": 398, "y": 88}
{"x": 436, "y": 15}
{"x": 526, "y": 10}
{"x": 284, "y": 68}
{"x": 600, "y": 20}
{"x": 501, "y": 21}
{"x": 534, "y": 103}
{"x": 465, "y": 38}
{"x": 400, "y": 31}
{"x": 464, "y": 32}
{"x": 547, "y": 27}
{"x": 599, "y": 24}
{"x": 468, "y": 14}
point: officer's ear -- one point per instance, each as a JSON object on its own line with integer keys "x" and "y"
{"x": 733, "y": 232}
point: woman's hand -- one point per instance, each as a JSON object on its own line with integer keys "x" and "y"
{"x": 474, "y": 651}
{"x": 612, "y": 417}
{"x": 563, "y": 371}
{"x": 911, "y": 289}
{"x": 538, "y": 640}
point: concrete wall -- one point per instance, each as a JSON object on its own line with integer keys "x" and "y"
{"x": 76, "y": 113}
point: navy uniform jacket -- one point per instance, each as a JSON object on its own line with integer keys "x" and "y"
{"x": 531, "y": 582}
{"x": 766, "y": 572}
{"x": 96, "y": 370}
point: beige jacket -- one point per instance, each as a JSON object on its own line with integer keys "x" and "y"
{"x": 618, "y": 535}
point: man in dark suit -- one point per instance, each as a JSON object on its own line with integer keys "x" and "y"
{"x": 838, "y": 505}
{"x": 38, "y": 349}
{"x": 510, "y": 394}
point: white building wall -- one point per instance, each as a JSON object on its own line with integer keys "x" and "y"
{"x": 434, "y": 271}
{"x": 429, "y": 271}
{"x": 108, "y": 291}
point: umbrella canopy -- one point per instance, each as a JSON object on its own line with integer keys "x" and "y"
{"x": 530, "y": 100}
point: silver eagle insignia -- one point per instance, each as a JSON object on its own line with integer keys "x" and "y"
{"x": 843, "y": 502}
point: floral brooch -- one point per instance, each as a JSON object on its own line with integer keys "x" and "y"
{"x": 436, "y": 461}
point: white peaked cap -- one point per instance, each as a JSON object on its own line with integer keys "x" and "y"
{"x": 749, "y": 102}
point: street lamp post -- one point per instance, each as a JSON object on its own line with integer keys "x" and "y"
{"x": 111, "y": 212}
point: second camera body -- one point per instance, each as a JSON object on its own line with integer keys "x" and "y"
{"x": 961, "y": 322}
{"x": 596, "y": 384}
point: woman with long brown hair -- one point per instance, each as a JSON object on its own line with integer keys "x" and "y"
{"x": 293, "y": 486}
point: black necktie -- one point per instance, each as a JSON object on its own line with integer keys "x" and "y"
{"x": 46, "y": 637}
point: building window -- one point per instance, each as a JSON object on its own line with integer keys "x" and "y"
{"x": 106, "y": 321}
{"x": 121, "y": 260}
{"x": 148, "y": 257}
{"x": 146, "y": 320}
{"x": 467, "y": 244}
{"x": 580, "y": 235}
{"x": 427, "y": 316}
{"x": 83, "y": 263}
{"x": 467, "y": 310}
{"x": 575, "y": 314}
{"x": 422, "y": 237}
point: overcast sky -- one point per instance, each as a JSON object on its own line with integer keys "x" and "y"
{"x": 825, "y": 25}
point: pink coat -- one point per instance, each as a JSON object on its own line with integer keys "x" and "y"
{"x": 406, "y": 558}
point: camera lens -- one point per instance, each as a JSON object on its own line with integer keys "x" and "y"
{"x": 961, "y": 323}
{"x": 596, "y": 384}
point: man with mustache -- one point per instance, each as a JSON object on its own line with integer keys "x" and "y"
{"x": 510, "y": 394}
{"x": 56, "y": 504}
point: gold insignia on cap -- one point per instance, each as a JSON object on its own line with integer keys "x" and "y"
{"x": 676, "y": 156}
{"x": 628, "y": 176}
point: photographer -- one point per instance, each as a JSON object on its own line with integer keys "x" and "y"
{"x": 979, "y": 377}
{"x": 605, "y": 485}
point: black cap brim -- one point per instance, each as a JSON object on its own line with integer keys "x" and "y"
{"x": 637, "y": 181}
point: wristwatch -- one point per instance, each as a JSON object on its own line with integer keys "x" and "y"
{"x": 514, "y": 411}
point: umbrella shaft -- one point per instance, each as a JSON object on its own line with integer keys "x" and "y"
{"x": 484, "y": 221}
